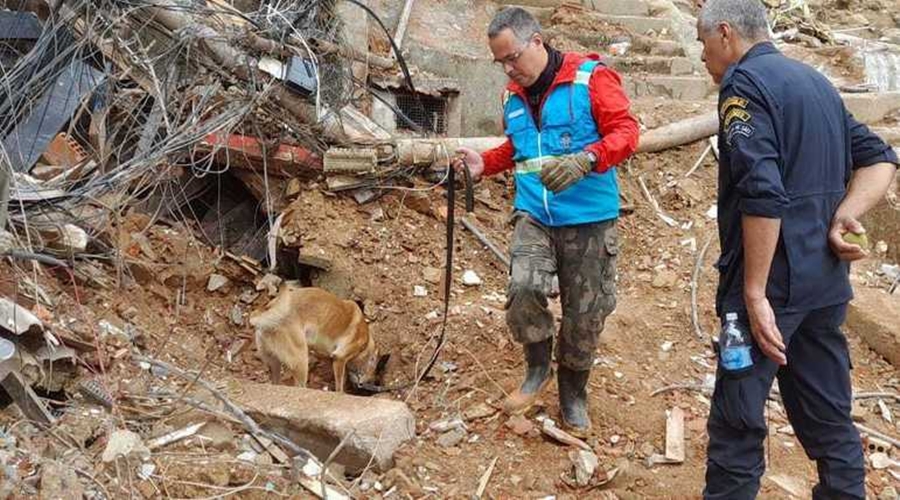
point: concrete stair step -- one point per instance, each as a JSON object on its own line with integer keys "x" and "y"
{"x": 694, "y": 88}
{"x": 618, "y": 7}
{"x": 637, "y": 24}
{"x": 675, "y": 66}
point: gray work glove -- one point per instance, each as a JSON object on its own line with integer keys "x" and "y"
{"x": 558, "y": 174}
{"x": 7, "y": 241}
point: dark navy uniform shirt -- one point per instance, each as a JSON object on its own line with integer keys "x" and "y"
{"x": 787, "y": 149}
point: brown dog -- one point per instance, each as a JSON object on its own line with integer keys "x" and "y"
{"x": 299, "y": 319}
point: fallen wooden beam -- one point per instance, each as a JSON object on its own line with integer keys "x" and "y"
{"x": 679, "y": 133}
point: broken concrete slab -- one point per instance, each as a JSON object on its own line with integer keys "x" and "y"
{"x": 871, "y": 108}
{"x": 874, "y": 315}
{"x": 319, "y": 420}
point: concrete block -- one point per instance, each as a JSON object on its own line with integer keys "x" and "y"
{"x": 676, "y": 66}
{"x": 638, "y": 24}
{"x": 319, "y": 420}
{"x": 872, "y": 108}
{"x": 692, "y": 88}
{"x": 874, "y": 315}
{"x": 618, "y": 7}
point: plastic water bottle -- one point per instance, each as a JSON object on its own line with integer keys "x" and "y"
{"x": 734, "y": 352}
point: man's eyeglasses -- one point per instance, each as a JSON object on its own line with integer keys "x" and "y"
{"x": 510, "y": 59}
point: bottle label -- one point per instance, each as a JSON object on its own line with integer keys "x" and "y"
{"x": 736, "y": 358}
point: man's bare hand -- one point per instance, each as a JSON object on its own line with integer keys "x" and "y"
{"x": 472, "y": 159}
{"x": 840, "y": 226}
{"x": 765, "y": 331}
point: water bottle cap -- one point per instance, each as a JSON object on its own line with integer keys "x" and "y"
{"x": 730, "y": 316}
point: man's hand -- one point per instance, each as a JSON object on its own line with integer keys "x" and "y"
{"x": 558, "y": 174}
{"x": 840, "y": 226}
{"x": 7, "y": 241}
{"x": 471, "y": 158}
{"x": 764, "y": 329}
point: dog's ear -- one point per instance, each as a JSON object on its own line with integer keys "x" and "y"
{"x": 382, "y": 363}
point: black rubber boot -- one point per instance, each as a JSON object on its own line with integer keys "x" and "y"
{"x": 537, "y": 375}
{"x": 573, "y": 401}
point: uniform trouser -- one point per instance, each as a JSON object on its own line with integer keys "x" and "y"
{"x": 583, "y": 257}
{"x": 815, "y": 390}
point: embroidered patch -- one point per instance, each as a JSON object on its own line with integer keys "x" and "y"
{"x": 738, "y": 129}
{"x": 732, "y": 102}
{"x": 515, "y": 114}
{"x": 736, "y": 114}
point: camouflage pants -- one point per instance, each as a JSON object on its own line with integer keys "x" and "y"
{"x": 584, "y": 259}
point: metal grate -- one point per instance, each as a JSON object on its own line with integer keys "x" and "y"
{"x": 427, "y": 111}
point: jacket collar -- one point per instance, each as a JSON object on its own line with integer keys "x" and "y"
{"x": 759, "y": 49}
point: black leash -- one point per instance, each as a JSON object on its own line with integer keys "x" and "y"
{"x": 448, "y": 273}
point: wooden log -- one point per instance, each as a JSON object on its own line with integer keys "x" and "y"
{"x": 679, "y": 133}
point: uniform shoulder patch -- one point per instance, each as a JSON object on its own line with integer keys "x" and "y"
{"x": 732, "y": 102}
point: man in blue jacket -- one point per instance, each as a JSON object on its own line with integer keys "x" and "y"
{"x": 796, "y": 172}
{"x": 567, "y": 122}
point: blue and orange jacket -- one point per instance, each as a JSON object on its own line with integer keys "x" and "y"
{"x": 585, "y": 109}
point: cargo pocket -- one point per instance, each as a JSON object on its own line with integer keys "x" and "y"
{"x": 611, "y": 250}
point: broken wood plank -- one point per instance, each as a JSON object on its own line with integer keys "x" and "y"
{"x": 25, "y": 398}
{"x": 175, "y": 436}
{"x": 551, "y": 430}
{"x": 675, "y": 435}
{"x": 482, "y": 484}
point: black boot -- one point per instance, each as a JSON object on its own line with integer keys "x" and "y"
{"x": 537, "y": 375}
{"x": 573, "y": 401}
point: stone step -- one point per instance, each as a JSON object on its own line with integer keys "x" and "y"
{"x": 694, "y": 88}
{"x": 637, "y": 24}
{"x": 618, "y": 7}
{"x": 320, "y": 420}
{"x": 874, "y": 315}
{"x": 676, "y": 66}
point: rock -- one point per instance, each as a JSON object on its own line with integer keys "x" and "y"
{"x": 248, "y": 296}
{"x": 269, "y": 283}
{"x": 446, "y": 424}
{"x": 664, "y": 278}
{"x": 128, "y": 313}
{"x": 124, "y": 443}
{"x": 237, "y": 315}
{"x": 858, "y": 412}
{"x": 469, "y": 278}
{"x": 889, "y": 493}
{"x": 519, "y": 425}
{"x": 319, "y": 420}
{"x": 880, "y": 461}
{"x": 217, "y": 435}
{"x": 585, "y": 463}
{"x": 60, "y": 482}
{"x": 216, "y": 282}
{"x": 419, "y": 291}
{"x": 451, "y": 438}
{"x": 479, "y": 410}
{"x": 432, "y": 275}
